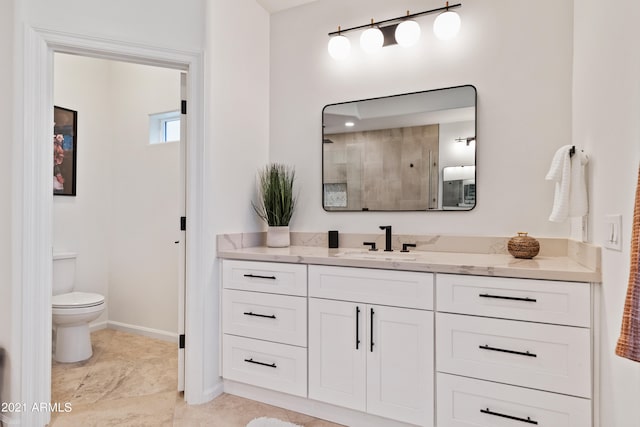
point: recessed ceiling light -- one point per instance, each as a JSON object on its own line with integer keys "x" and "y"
{"x": 349, "y": 124}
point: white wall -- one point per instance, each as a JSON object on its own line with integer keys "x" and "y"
{"x": 123, "y": 221}
{"x": 168, "y": 23}
{"x": 144, "y": 218}
{"x": 606, "y": 112}
{"x": 6, "y": 123}
{"x": 80, "y": 224}
{"x": 237, "y": 129}
{"x": 518, "y": 57}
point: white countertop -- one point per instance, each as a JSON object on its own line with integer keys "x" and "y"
{"x": 540, "y": 267}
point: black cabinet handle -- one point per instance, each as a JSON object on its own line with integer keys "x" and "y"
{"x": 357, "y": 327}
{"x": 268, "y": 316}
{"x": 257, "y": 276}
{"x": 520, "y": 353}
{"x": 527, "y": 420}
{"x": 371, "y": 331}
{"x": 270, "y": 365}
{"x": 527, "y": 299}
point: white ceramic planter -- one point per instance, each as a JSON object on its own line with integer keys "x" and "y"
{"x": 278, "y": 237}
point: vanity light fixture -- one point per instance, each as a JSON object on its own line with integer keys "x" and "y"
{"x": 339, "y": 46}
{"x": 447, "y": 25}
{"x": 468, "y": 140}
{"x": 403, "y": 30}
{"x": 407, "y": 32}
{"x": 371, "y": 40}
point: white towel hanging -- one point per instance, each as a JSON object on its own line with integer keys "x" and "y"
{"x": 560, "y": 172}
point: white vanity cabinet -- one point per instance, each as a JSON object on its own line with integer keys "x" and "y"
{"x": 513, "y": 350}
{"x": 264, "y": 324}
{"x": 364, "y": 352}
{"x": 387, "y": 347}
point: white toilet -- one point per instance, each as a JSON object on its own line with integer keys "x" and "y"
{"x": 72, "y": 312}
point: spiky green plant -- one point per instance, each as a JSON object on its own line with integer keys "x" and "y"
{"x": 276, "y": 201}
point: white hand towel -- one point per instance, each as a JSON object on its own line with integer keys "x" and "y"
{"x": 560, "y": 172}
{"x": 578, "y": 202}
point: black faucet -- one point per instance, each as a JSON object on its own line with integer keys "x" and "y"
{"x": 387, "y": 229}
{"x": 372, "y": 244}
{"x": 405, "y": 246}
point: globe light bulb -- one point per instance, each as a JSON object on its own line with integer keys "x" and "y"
{"x": 447, "y": 25}
{"x": 371, "y": 40}
{"x": 339, "y": 47}
{"x": 408, "y": 33}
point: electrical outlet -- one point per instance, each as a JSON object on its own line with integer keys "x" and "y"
{"x": 613, "y": 232}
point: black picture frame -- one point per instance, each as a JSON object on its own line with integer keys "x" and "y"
{"x": 65, "y": 151}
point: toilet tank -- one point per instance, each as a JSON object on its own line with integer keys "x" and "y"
{"x": 64, "y": 271}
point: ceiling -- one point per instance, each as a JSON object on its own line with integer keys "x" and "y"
{"x": 273, "y": 6}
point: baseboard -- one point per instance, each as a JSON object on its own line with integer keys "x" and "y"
{"x": 144, "y": 331}
{"x": 213, "y": 392}
{"x": 97, "y": 326}
{"x": 314, "y": 408}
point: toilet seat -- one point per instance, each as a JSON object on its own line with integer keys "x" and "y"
{"x": 74, "y": 300}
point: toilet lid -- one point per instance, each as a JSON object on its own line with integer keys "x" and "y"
{"x": 76, "y": 300}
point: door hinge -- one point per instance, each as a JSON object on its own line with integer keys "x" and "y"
{"x": 183, "y": 107}
{"x": 181, "y": 345}
{"x": 183, "y": 223}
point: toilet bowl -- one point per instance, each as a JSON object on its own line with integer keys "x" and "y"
{"x": 72, "y": 311}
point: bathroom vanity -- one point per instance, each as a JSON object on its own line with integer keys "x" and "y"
{"x": 427, "y": 338}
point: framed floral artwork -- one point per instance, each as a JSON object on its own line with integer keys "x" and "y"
{"x": 65, "y": 151}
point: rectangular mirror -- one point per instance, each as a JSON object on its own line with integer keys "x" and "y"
{"x": 409, "y": 152}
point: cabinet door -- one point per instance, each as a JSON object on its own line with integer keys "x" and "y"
{"x": 400, "y": 364}
{"x": 336, "y": 360}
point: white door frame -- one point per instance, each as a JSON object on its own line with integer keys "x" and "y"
{"x": 33, "y": 207}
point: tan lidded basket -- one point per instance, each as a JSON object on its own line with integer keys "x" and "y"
{"x": 523, "y": 246}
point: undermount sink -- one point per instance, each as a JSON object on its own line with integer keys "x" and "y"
{"x": 382, "y": 255}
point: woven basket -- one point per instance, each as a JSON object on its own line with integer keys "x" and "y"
{"x": 523, "y": 246}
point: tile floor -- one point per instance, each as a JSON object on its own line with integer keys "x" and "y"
{"x": 131, "y": 380}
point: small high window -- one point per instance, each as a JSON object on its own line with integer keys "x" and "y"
{"x": 164, "y": 127}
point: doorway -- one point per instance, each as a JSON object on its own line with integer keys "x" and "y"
{"x": 123, "y": 221}
{"x": 34, "y": 207}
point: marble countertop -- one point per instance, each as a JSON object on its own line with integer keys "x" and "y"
{"x": 482, "y": 264}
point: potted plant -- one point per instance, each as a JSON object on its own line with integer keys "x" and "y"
{"x": 276, "y": 202}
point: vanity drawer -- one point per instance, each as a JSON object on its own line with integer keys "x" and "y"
{"x": 272, "y": 277}
{"x": 564, "y": 303}
{"x": 465, "y": 402}
{"x": 545, "y": 357}
{"x": 384, "y": 287}
{"x": 265, "y": 364}
{"x": 268, "y": 317}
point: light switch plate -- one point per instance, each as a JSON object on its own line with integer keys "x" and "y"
{"x": 613, "y": 232}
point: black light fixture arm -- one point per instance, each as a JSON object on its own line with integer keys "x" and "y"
{"x": 399, "y": 18}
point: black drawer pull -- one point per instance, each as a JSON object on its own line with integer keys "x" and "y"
{"x": 527, "y": 299}
{"x": 257, "y": 276}
{"x": 520, "y": 353}
{"x": 357, "y": 327}
{"x": 528, "y": 420}
{"x": 371, "y": 343}
{"x": 270, "y": 365}
{"x": 268, "y": 316}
